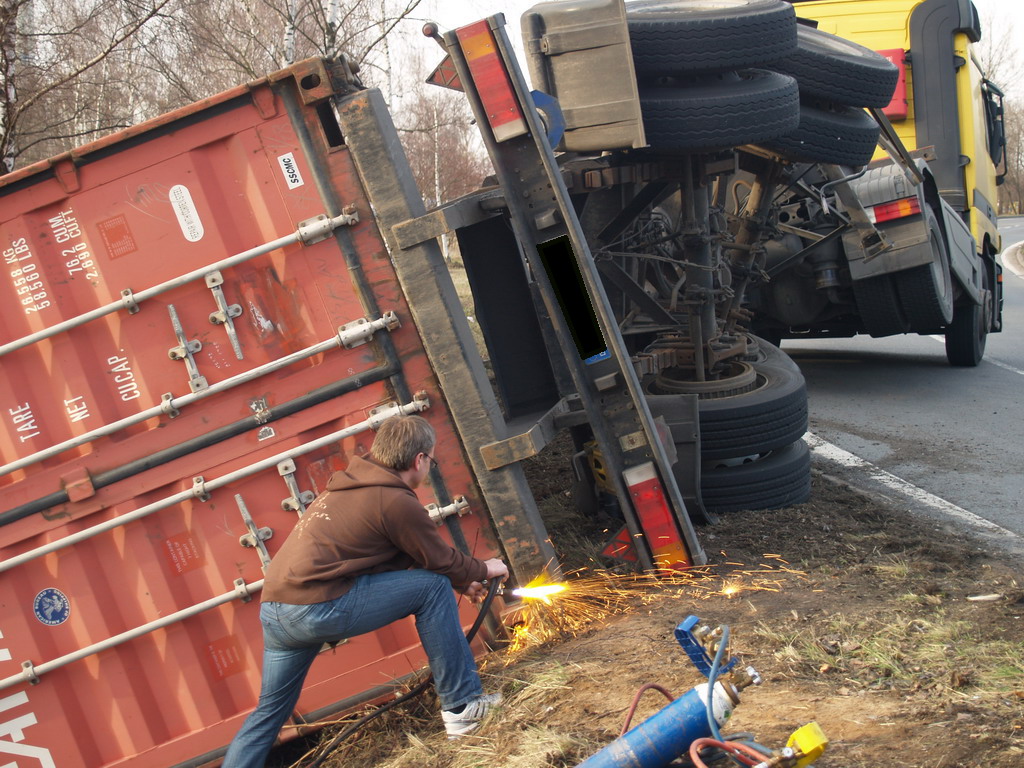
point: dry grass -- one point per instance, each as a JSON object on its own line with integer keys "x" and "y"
{"x": 530, "y": 727}
{"x": 888, "y": 650}
{"x": 460, "y": 279}
{"x": 872, "y": 635}
{"x": 514, "y": 737}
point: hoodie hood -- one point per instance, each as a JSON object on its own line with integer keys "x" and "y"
{"x": 365, "y": 472}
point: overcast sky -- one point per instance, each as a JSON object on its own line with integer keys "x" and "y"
{"x": 1005, "y": 11}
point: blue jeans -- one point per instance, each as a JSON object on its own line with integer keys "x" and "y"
{"x": 294, "y": 634}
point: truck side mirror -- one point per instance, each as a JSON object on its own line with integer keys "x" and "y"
{"x": 995, "y": 127}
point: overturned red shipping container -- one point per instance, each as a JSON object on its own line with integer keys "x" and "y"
{"x": 201, "y": 322}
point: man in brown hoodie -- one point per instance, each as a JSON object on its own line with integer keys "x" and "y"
{"x": 365, "y": 554}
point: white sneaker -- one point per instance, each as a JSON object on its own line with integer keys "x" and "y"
{"x": 469, "y": 718}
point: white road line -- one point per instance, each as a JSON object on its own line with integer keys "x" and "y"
{"x": 829, "y": 452}
{"x": 1002, "y": 365}
{"x": 986, "y": 359}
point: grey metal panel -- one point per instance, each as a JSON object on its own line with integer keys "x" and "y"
{"x": 881, "y": 185}
{"x": 912, "y": 249}
{"x": 987, "y": 209}
{"x": 963, "y": 257}
{"x": 567, "y": 43}
{"x": 508, "y": 316}
{"x": 932, "y": 26}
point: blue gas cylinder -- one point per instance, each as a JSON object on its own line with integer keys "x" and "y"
{"x": 666, "y": 735}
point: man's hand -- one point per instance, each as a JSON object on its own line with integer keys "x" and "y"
{"x": 475, "y": 592}
{"x": 496, "y": 569}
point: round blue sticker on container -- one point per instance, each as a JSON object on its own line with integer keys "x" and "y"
{"x": 52, "y": 607}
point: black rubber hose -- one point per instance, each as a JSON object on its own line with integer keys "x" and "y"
{"x": 492, "y": 590}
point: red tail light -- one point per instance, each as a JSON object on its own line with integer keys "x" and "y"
{"x": 492, "y": 81}
{"x": 655, "y": 515}
{"x": 897, "y": 209}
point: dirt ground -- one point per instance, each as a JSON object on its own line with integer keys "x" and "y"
{"x": 902, "y": 639}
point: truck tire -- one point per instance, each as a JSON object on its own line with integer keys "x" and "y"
{"x": 769, "y": 414}
{"x": 967, "y": 334}
{"x": 777, "y": 479}
{"x": 878, "y": 304}
{"x": 671, "y": 37}
{"x": 830, "y": 68}
{"x": 829, "y": 133}
{"x": 926, "y": 292}
{"x": 720, "y": 111}
{"x": 765, "y": 419}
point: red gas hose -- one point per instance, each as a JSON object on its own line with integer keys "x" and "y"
{"x": 636, "y": 701}
{"x": 740, "y": 751}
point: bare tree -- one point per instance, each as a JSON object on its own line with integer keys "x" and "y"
{"x": 9, "y": 10}
{"x": 443, "y": 147}
{"x": 1011, "y": 193}
{"x": 218, "y": 43}
{"x": 1000, "y": 55}
{"x": 63, "y": 68}
{"x": 1003, "y": 64}
{"x": 72, "y": 70}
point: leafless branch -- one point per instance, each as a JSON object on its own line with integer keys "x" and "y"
{"x": 409, "y": 8}
{"x": 113, "y": 45}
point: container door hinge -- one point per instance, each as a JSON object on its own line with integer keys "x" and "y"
{"x": 264, "y": 101}
{"x": 185, "y": 351}
{"x": 226, "y": 313}
{"x": 242, "y": 590}
{"x": 66, "y": 173}
{"x": 261, "y": 414}
{"x": 298, "y": 500}
{"x": 320, "y": 227}
{"x": 380, "y": 414}
{"x": 458, "y": 507}
{"x": 199, "y": 488}
{"x": 128, "y": 299}
{"x": 167, "y": 406}
{"x": 256, "y": 536}
{"x": 361, "y": 331}
{"x": 78, "y": 484}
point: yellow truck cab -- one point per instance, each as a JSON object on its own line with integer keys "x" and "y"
{"x": 944, "y": 108}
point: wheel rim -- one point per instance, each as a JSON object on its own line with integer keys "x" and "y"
{"x": 740, "y": 379}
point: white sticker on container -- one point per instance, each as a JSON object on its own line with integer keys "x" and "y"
{"x": 188, "y": 217}
{"x": 290, "y": 169}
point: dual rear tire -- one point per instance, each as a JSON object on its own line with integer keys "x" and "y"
{"x": 916, "y": 300}
{"x": 752, "y": 452}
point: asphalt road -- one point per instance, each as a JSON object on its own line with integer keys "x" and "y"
{"x": 957, "y": 433}
{"x": 1012, "y": 230}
